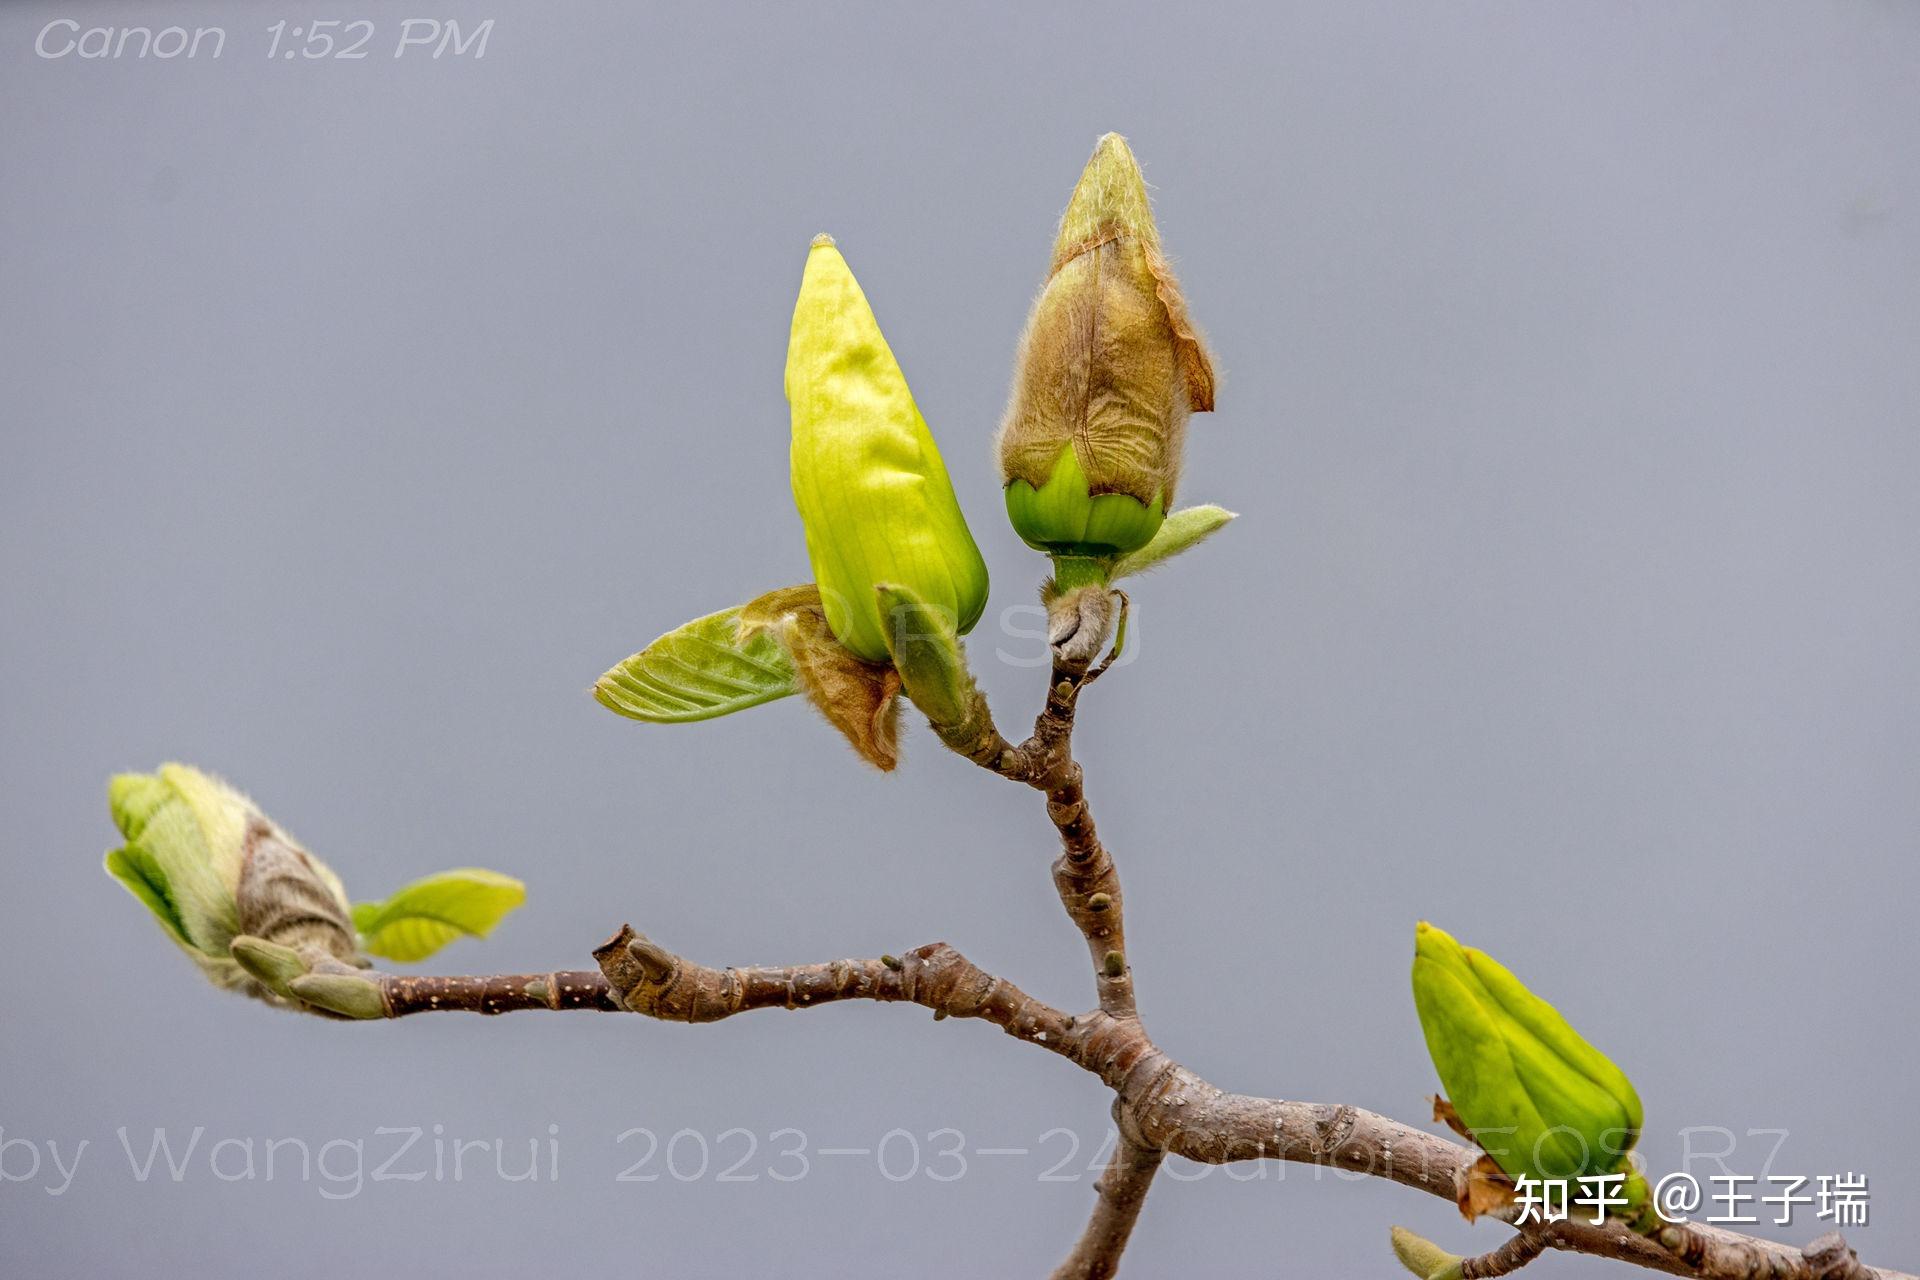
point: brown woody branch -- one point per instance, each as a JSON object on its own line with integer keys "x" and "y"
{"x": 1161, "y": 1108}
{"x": 1084, "y": 874}
{"x": 1164, "y": 1109}
{"x": 647, "y": 978}
{"x": 1120, "y": 1191}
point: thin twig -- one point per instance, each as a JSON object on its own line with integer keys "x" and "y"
{"x": 1084, "y": 874}
{"x": 1120, "y": 1191}
{"x": 498, "y": 993}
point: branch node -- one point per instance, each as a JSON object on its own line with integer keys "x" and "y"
{"x": 1830, "y": 1258}
{"x": 1511, "y": 1256}
{"x": 655, "y": 960}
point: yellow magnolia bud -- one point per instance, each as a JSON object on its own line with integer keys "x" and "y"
{"x": 873, "y": 495}
{"x": 1109, "y": 368}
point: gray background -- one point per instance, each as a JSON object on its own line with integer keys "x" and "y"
{"x": 358, "y": 414}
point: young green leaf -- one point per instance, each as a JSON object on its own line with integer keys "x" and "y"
{"x": 426, "y": 915}
{"x": 136, "y": 869}
{"x": 701, "y": 670}
{"x": 1182, "y": 529}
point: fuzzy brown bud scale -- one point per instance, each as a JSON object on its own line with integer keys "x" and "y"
{"x": 1108, "y": 372}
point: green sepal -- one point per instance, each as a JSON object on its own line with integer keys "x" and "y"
{"x": 426, "y": 915}
{"x": 1181, "y": 530}
{"x": 1063, "y": 517}
{"x": 926, "y": 652}
{"x": 704, "y": 669}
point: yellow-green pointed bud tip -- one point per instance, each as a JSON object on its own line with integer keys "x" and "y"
{"x": 1110, "y": 199}
{"x": 184, "y": 853}
{"x": 1423, "y": 1257}
{"x": 132, "y": 798}
{"x": 1064, "y": 517}
{"x": 1432, "y": 941}
{"x": 1551, "y": 1104}
{"x": 873, "y": 495}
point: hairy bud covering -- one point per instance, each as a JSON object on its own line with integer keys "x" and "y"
{"x": 1109, "y": 369}
{"x": 210, "y": 866}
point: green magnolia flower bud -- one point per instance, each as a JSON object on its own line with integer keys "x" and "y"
{"x": 1543, "y": 1102}
{"x": 1108, "y": 371}
{"x": 211, "y": 867}
{"x": 873, "y": 495}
